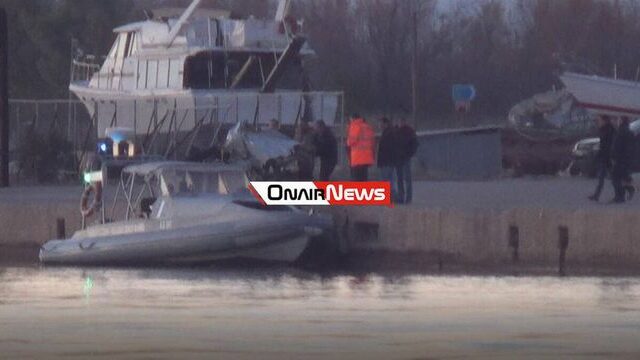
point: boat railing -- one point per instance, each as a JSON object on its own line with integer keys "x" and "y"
{"x": 83, "y": 70}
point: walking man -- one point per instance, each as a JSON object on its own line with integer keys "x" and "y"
{"x": 607, "y": 134}
{"x": 388, "y": 150}
{"x": 326, "y": 149}
{"x": 408, "y": 146}
{"x": 622, "y": 156}
{"x": 361, "y": 143}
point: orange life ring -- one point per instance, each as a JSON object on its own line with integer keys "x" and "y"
{"x": 87, "y": 209}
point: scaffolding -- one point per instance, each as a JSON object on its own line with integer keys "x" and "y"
{"x": 170, "y": 128}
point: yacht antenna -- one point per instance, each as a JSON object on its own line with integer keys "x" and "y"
{"x": 181, "y": 21}
{"x": 283, "y": 10}
{"x": 148, "y": 14}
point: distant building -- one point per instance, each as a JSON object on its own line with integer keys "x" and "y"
{"x": 471, "y": 153}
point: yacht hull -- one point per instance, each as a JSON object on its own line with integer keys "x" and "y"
{"x": 143, "y": 111}
{"x": 604, "y": 95}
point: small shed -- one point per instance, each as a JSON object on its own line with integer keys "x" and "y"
{"x": 467, "y": 153}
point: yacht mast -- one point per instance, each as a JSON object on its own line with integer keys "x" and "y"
{"x": 283, "y": 9}
{"x": 181, "y": 21}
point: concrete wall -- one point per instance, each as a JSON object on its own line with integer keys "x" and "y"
{"x": 474, "y": 153}
{"x": 33, "y": 223}
{"x": 608, "y": 236}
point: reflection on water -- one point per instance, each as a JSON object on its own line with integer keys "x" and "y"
{"x": 272, "y": 313}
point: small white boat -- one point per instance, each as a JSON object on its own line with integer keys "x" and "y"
{"x": 604, "y": 95}
{"x": 177, "y": 212}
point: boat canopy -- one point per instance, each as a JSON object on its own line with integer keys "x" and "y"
{"x": 142, "y": 184}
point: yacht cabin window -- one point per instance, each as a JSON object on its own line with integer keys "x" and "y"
{"x": 132, "y": 47}
{"x": 218, "y": 70}
{"x": 114, "y": 49}
{"x": 126, "y": 45}
{"x": 192, "y": 183}
{"x": 122, "y": 46}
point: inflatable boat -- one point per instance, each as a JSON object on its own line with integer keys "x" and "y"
{"x": 185, "y": 213}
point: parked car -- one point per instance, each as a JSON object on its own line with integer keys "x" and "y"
{"x": 584, "y": 157}
{"x": 584, "y": 154}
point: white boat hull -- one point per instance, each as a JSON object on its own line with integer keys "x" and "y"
{"x": 273, "y": 236}
{"x": 143, "y": 111}
{"x": 604, "y": 95}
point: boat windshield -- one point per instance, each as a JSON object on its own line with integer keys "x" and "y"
{"x": 181, "y": 183}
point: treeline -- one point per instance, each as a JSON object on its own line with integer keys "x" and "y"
{"x": 508, "y": 49}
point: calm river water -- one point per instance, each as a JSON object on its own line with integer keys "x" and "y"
{"x": 277, "y": 313}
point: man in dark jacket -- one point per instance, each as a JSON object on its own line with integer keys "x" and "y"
{"x": 607, "y": 133}
{"x": 622, "y": 156}
{"x": 305, "y": 151}
{"x": 388, "y": 154}
{"x": 407, "y": 147}
{"x": 326, "y": 149}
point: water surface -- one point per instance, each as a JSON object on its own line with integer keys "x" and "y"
{"x": 280, "y": 313}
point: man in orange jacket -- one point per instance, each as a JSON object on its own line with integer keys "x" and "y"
{"x": 361, "y": 143}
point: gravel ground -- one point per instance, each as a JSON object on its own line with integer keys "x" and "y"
{"x": 546, "y": 192}
{"x": 543, "y": 192}
{"x": 31, "y": 194}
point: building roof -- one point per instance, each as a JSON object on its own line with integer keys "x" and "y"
{"x": 160, "y": 166}
{"x": 469, "y": 130}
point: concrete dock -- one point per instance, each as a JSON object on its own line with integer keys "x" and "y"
{"x": 28, "y": 214}
{"x": 491, "y": 222}
{"x": 501, "y": 222}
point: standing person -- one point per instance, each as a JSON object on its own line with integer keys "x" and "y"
{"x": 305, "y": 152}
{"x": 388, "y": 155}
{"x": 622, "y": 156}
{"x": 408, "y": 146}
{"x": 274, "y": 125}
{"x": 361, "y": 143}
{"x": 607, "y": 134}
{"x": 326, "y": 149}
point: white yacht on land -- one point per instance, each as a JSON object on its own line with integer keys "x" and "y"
{"x": 186, "y": 213}
{"x": 175, "y": 73}
{"x": 604, "y": 95}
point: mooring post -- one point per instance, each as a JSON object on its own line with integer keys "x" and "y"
{"x": 4, "y": 101}
{"x": 563, "y": 244}
{"x": 61, "y": 232}
{"x": 514, "y": 242}
{"x": 344, "y": 244}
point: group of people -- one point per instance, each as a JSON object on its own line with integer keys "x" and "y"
{"x": 398, "y": 143}
{"x": 615, "y": 158}
{"x": 396, "y": 146}
{"x": 315, "y": 141}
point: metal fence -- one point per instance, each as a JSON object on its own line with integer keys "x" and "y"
{"x": 39, "y": 125}
{"x": 69, "y": 119}
{"x": 47, "y": 139}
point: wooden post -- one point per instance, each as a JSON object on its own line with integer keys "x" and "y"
{"x": 514, "y": 243}
{"x": 61, "y": 231}
{"x": 4, "y": 101}
{"x": 414, "y": 70}
{"x": 563, "y": 244}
